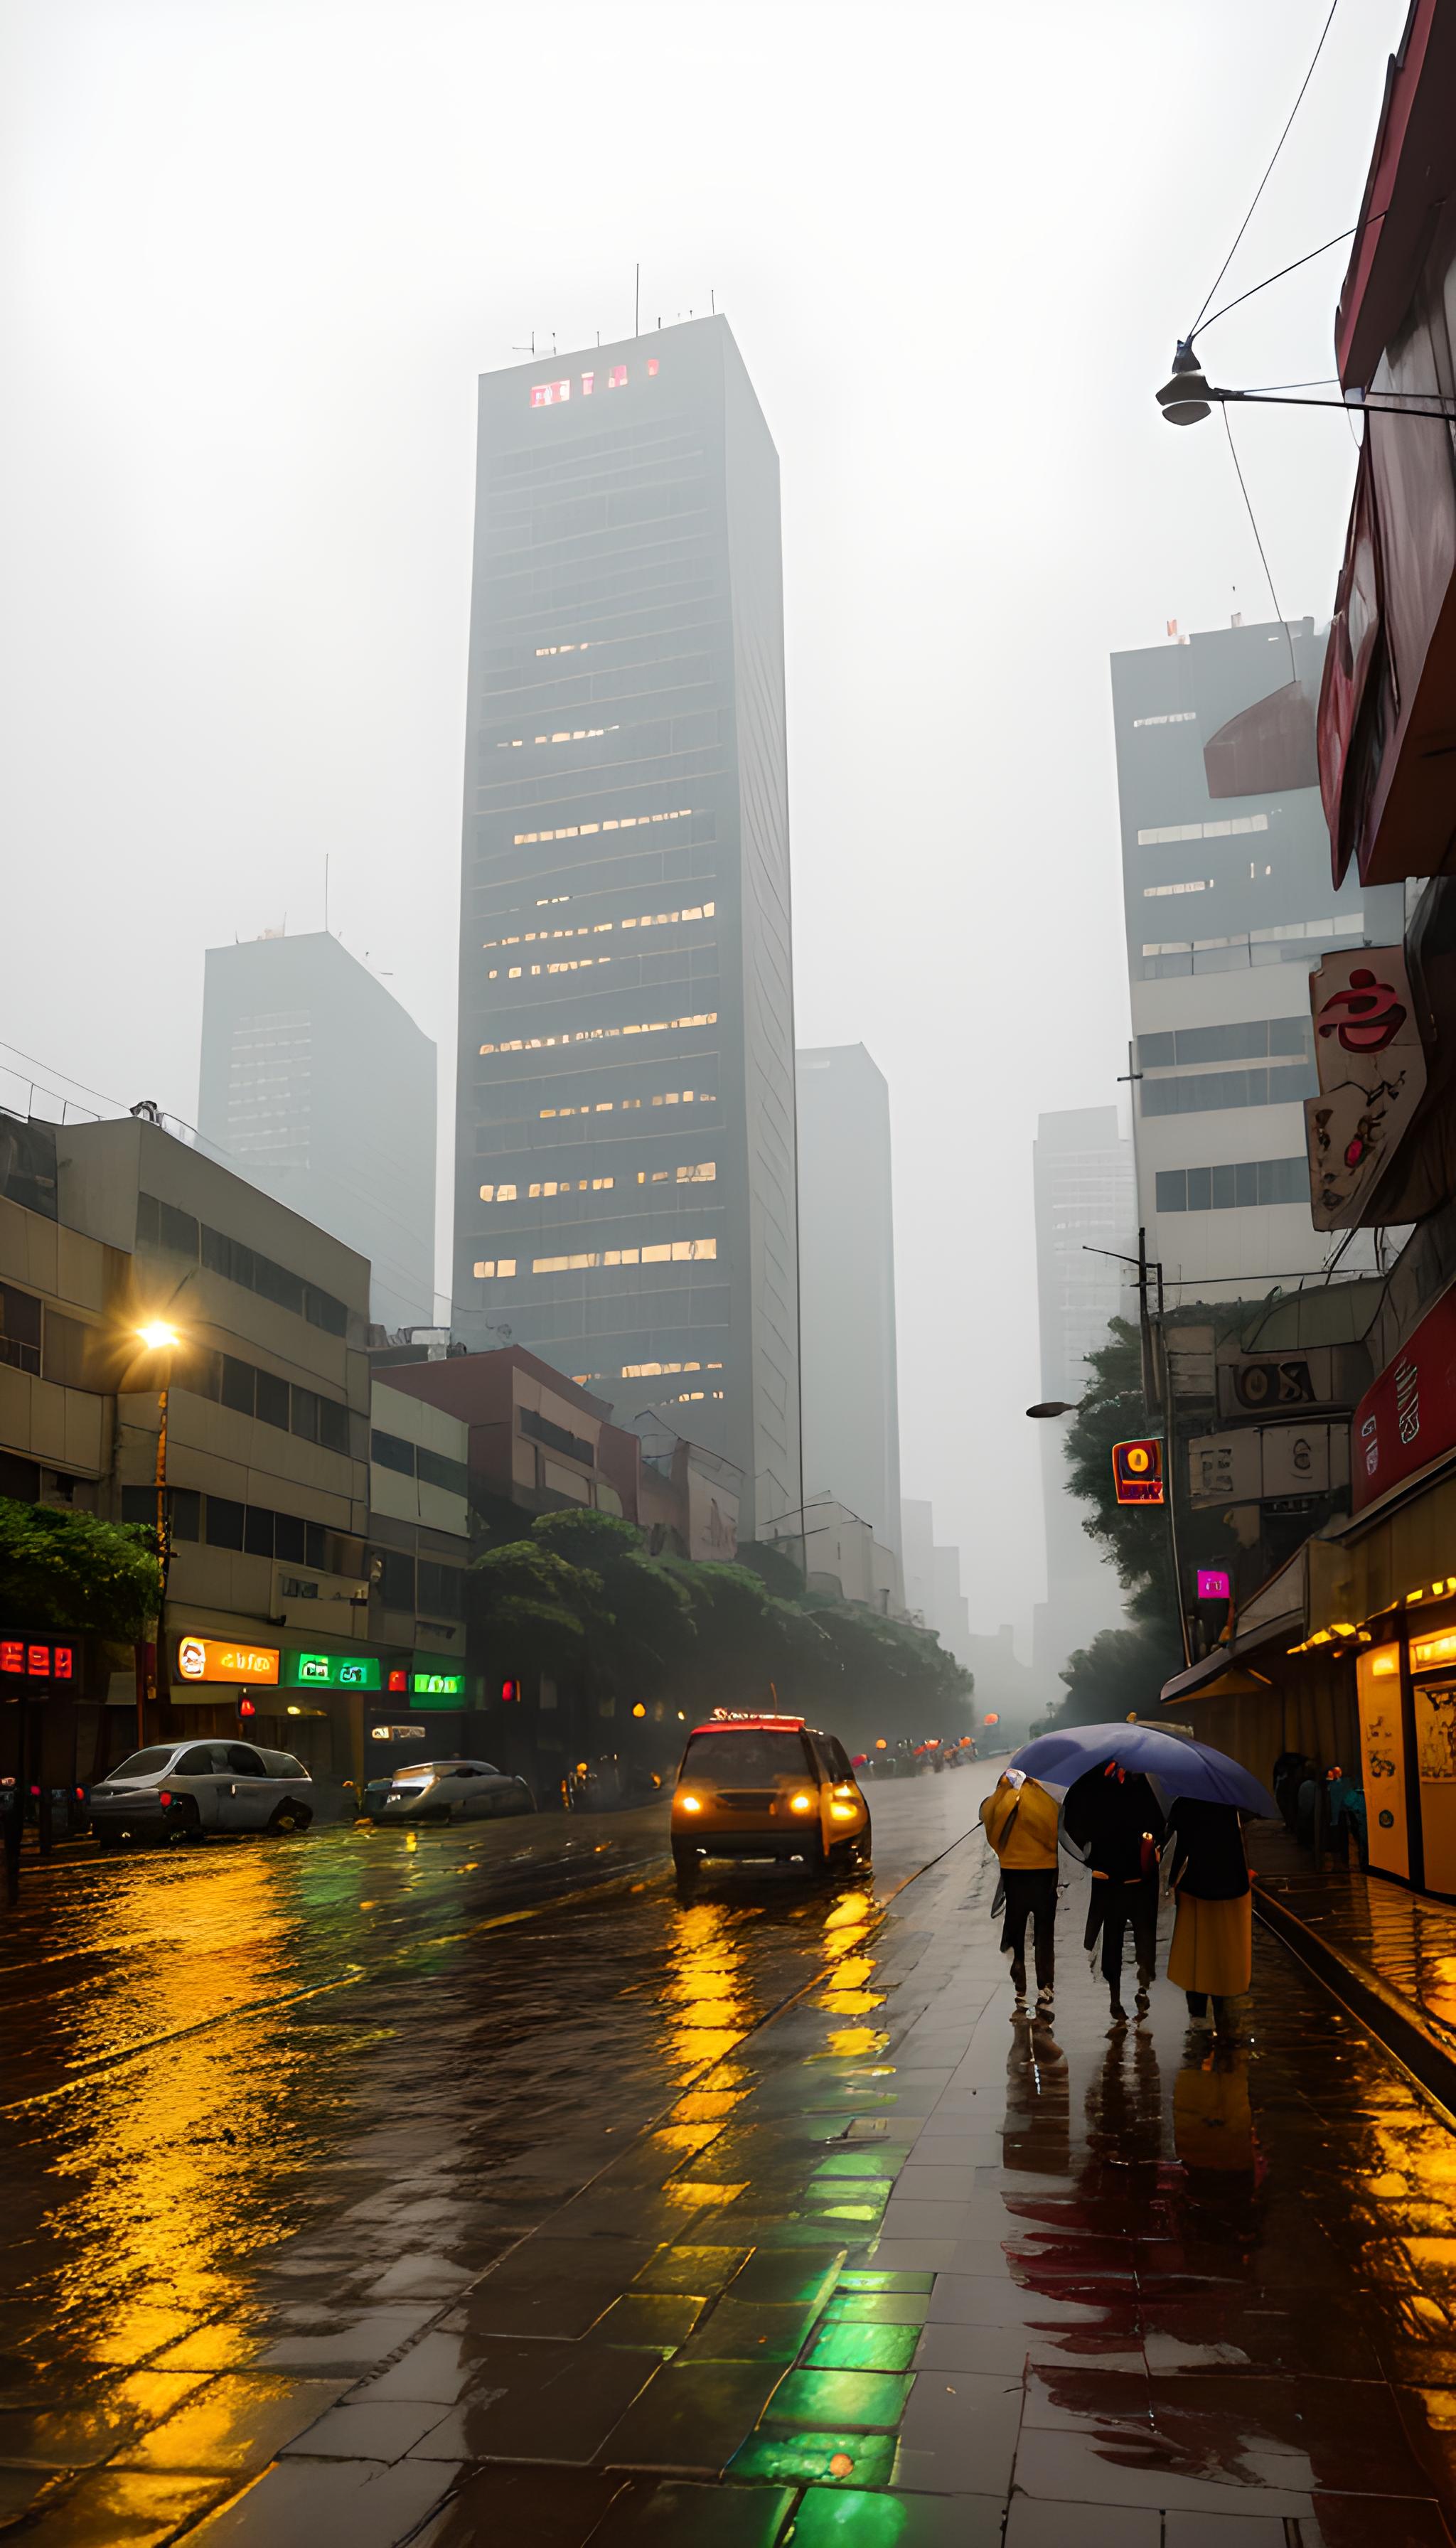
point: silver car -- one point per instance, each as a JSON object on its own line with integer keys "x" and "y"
{"x": 443, "y": 1791}
{"x": 181, "y": 1790}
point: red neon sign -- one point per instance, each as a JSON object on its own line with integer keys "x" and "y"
{"x": 25, "y": 1661}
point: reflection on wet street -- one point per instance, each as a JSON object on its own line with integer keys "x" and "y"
{"x": 453, "y": 2184}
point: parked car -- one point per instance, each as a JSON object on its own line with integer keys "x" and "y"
{"x": 766, "y": 1786}
{"x": 443, "y": 1791}
{"x": 181, "y": 1790}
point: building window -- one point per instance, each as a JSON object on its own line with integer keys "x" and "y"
{"x": 441, "y": 1590}
{"x": 496, "y": 1268}
{"x": 677, "y": 1251}
{"x": 1245, "y": 1040}
{"x": 1210, "y": 1091}
{"x": 550, "y": 392}
{"x": 539, "y": 1429}
{"x": 597, "y": 1035}
{"x": 396, "y": 1577}
{"x": 704, "y": 1173}
{"x": 1161, "y": 833}
{"x": 631, "y": 1104}
{"x": 1197, "y": 884}
{"x": 20, "y": 1328}
{"x": 1226, "y": 1189}
{"x": 435, "y": 1469}
{"x": 615, "y": 823}
{"x": 160, "y": 1226}
{"x": 1176, "y": 716}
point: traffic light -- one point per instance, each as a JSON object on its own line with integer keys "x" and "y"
{"x": 509, "y": 1689}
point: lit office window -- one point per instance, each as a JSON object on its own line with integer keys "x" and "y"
{"x": 597, "y": 1035}
{"x": 499, "y": 1194}
{"x": 1160, "y": 833}
{"x": 494, "y": 1265}
{"x": 702, "y": 1174}
{"x": 677, "y": 1251}
{"x": 550, "y": 392}
{"x": 612, "y": 823}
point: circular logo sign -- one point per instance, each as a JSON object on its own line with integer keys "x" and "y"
{"x": 1136, "y": 1459}
{"x": 191, "y": 1658}
{"x": 1387, "y": 1818}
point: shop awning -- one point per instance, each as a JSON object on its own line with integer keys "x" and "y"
{"x": 1399, "y": 1550}
{"x": 1273, "y": 1616}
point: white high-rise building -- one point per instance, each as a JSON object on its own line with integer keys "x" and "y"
{"x": 847, "y": 1285}
{"x": 1229, "y": 905}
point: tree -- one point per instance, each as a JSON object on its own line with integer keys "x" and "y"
{"x": 537, "y": 1608}
{"x": 61, "y": 1568}
{"x": 1119, "y": 1674}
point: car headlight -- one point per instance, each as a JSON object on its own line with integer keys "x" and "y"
{"x": 841, "y": 1813}
{"x": 690, "y": 1804}
{"x": 801, "y": 1804}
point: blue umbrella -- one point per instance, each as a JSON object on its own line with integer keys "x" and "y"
{"x": 1179, "y": 1765}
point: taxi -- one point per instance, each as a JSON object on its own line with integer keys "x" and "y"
{"x": 766, "y": 1786}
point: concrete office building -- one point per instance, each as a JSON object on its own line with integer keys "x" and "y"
{"x": 319, "y": 1088}
{"x": 1084, "y": 1201}
{"x": 847, "y": 1285}
{"x": 625, "y": 1142}
{"x": 1228, "y": 905}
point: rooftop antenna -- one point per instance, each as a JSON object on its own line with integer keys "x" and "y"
{"x": 526, "y": 349}
{"x": 637, "y": 299}
{"x": 325, "y": 895}
{"x": 713, "y": 303}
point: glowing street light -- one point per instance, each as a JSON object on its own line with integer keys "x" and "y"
{"x": 158, "y": 1337}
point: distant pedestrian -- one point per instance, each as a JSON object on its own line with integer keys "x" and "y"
{"x": 1020, "y": 1821}
{"x": 1306, "y": 1809}
{"x": 1346, "y": 1798}
{"x": 1113, "y": 1818}
{"x": 1206, "y": 1870}
{"x": 1289, "y": 1769}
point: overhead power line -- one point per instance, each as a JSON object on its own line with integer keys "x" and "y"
{"x": 1268, "y": 172}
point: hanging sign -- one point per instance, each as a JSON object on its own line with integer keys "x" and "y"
{"x": 210, "y": 1659}
{"x": 1372, "y": 1077}
{"x": 1137, "y": 1472}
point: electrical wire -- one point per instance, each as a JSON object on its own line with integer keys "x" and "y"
{"x": 1294, "y": 672}
{"x": 1268, "y": 172}
{"x": 1205, "y": 325}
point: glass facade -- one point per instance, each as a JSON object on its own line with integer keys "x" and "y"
{"x": 625, "y": 1133}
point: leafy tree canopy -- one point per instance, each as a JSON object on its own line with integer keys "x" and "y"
{"x": 67, "y": 1569}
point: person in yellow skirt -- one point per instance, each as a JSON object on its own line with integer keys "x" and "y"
{"x": 1206, "y": 1869}
{"x": 1020, "y": 1820}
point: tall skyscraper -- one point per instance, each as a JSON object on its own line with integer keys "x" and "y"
{"x": 320, "y": 1089}
{"x": 625, "y": 1145}
{"x": 847, "y": 1286}
{"x": 1084, "y": 1201}
{"x": 1229, "y": 904}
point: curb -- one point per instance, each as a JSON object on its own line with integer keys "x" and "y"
{"x": 1387, "y": 2016}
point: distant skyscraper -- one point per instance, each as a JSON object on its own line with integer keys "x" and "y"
{"x": 626, "y": 1145}
{"x": 847, "y": 1286}
{"x": 1084, "y": 1201}
{"x": 320, "y": 1089}
{"x": 1229, "y": 904}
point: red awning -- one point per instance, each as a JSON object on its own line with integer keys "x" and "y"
{"x": 1354, "y": 644}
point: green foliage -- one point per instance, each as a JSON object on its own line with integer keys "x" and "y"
{"x": 1119, "y": 1674}
{"x": 579, "y": 1594}
{"x": 67, "y": 1569}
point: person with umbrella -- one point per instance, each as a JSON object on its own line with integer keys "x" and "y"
{"x": 1020, "y": 1820}
{"x": 1114, "y": 1819}
{"x": 1204, "y": 1862}
{"x": 1207, "y": 1870}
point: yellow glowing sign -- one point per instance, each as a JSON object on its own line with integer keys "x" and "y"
{"x": 1426, "y": 1651}
{"x": 209, "y": 1659}
{"x": 1385, "y": 1665}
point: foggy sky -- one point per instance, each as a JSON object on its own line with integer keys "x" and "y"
{"x": 254, "y": 255}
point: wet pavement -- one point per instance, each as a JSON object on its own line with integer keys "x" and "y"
{"x": 366, "y": 2191}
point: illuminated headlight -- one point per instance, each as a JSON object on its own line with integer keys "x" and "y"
{"x": 801, "y": 1804}
{"x": 691, "y": 1804}
{"x": 841, "y": 1813}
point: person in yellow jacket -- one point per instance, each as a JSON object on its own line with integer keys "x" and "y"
{"x": 1020, "y": 1820}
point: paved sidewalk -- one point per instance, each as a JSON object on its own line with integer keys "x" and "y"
{"x": 1403, "y": 1941}
{"x": 899, "y": 2267}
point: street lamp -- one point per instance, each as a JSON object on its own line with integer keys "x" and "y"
{"x": 159, "y": 1338}
{"x": 1056, "y": 1406}
{"x": 1188, "y": 396}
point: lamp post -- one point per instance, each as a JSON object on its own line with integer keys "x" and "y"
{"x": 1188, "y": 396}
{"x": 159, "y": 1338}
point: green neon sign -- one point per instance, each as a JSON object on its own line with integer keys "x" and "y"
{"x": 437, "y": 1685}
{"x": 331, "y": 1672}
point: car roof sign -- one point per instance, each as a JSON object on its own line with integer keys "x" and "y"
{"x": 727, "y": 1720}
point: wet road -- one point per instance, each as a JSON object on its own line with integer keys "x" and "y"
{"x": 378, "y": 2186}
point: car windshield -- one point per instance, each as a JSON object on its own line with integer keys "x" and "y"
{"x": 745, "y": 1758}
{"x": 145, "y": 1765}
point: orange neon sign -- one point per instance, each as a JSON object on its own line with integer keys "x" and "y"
{"x": 210, "y": 1659}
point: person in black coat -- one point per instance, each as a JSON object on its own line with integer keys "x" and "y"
{"x": 1114, "y": 1819}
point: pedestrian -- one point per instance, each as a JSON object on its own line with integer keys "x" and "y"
{"x": 1112, "y": 1817}
{"x": 1307, "y": 1808}
{"x": 1020, "y": 1820}
{"x": 1289, "y": 1768}
{"x": 1346, "y": 1801}
{"x": 1205, "y": 1865}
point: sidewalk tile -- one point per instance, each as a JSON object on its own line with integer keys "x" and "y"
{"x": 692, "y": 2417}
{"x": 958, "y": 2433}
{"x": 237, "y": 2422}
{"x": 545, "y": 2507}
{"x": 299, "y": 2504}
{"x": 815, "y": 2458}
{"x": 841, "y": 2517}
{"x": 128, "y": 2508}
{"x": 672, "y": 2512}
{"x": 1098, "y": 2525}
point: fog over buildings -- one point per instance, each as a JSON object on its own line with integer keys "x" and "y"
{"x": 259, "y": 262}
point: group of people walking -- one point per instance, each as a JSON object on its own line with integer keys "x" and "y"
{"x": 1112, "y": 1820}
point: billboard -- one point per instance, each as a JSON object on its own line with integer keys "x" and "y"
{"x": 213, "y": 1658}
{"x": 1266, "y": 1463}
{"x": 1408, "y": 1415}
{"x": 1372, "y": 1077}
